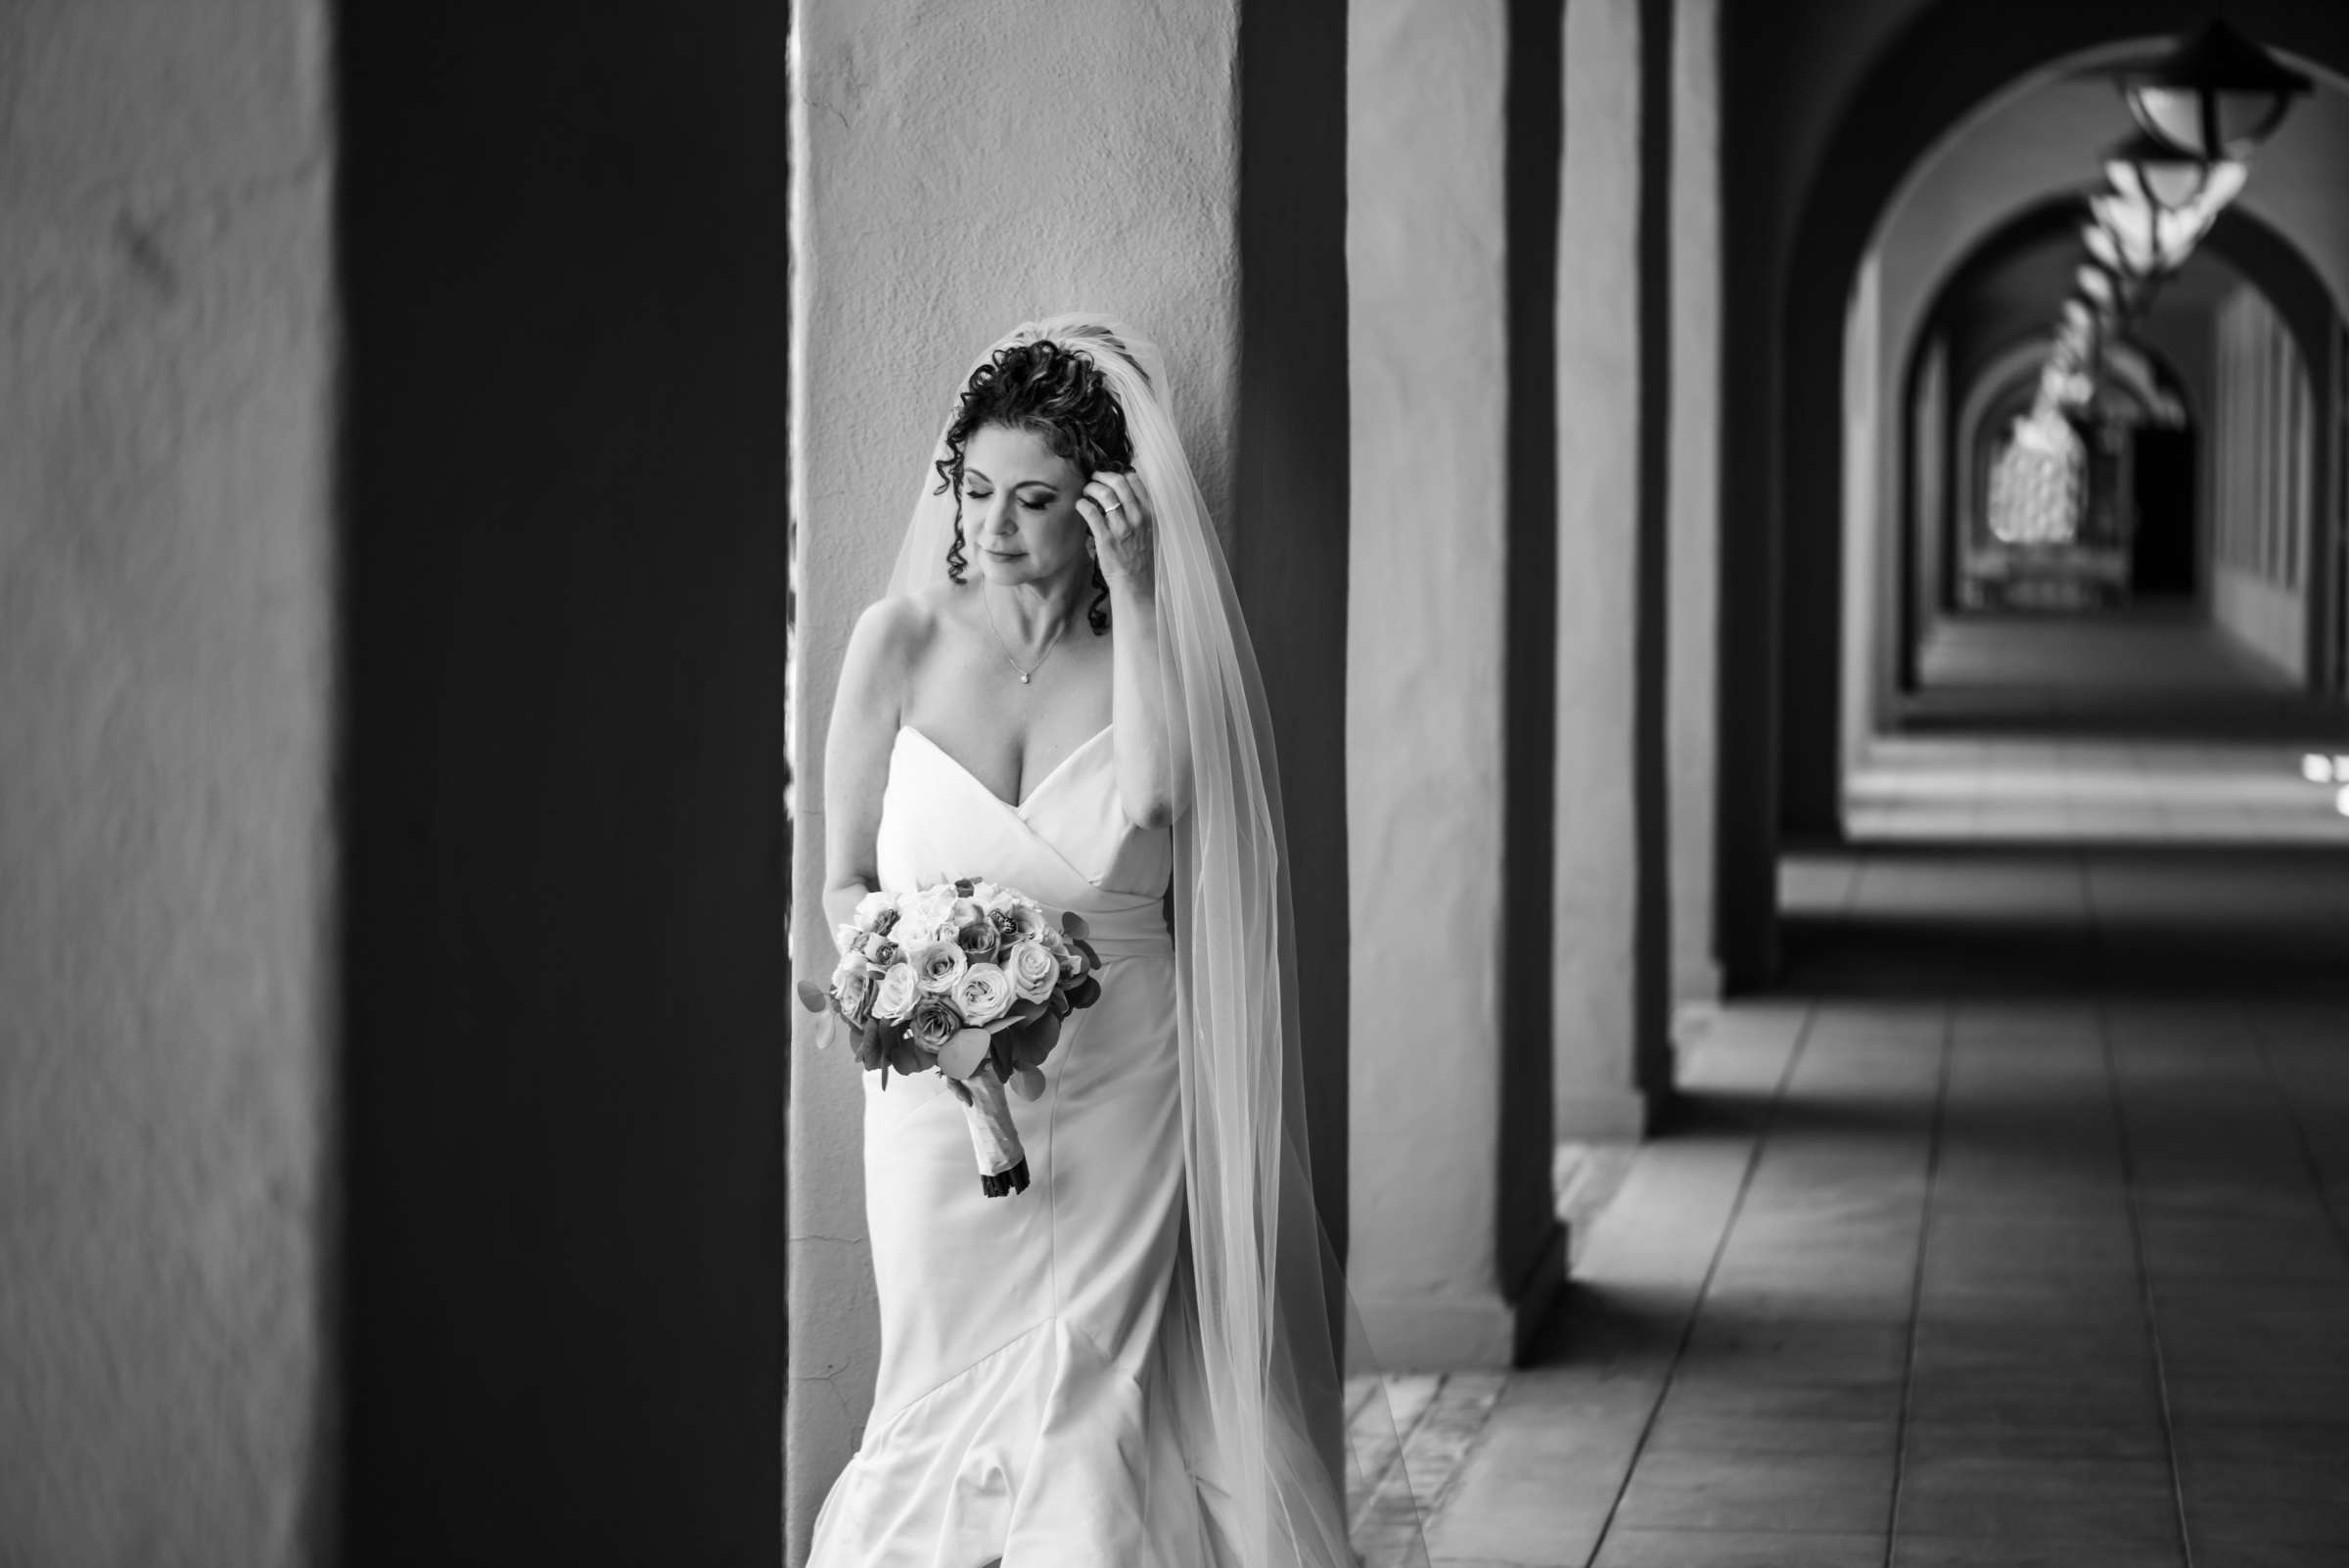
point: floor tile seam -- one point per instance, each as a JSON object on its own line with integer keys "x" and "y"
{"x": 2307, "y": 1149}
{"x": 1745, "y": 1180}
{"x": 2103, "y": 980}
{"x": 1916, "y": 1281}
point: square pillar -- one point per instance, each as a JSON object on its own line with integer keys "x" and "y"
{"x": 1610, "y": 889}
{"x": 1455, "y": 1251}
{"x": 1696, "y": 502}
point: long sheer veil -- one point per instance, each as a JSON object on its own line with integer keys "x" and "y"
{"x": 1260, "y": 1288}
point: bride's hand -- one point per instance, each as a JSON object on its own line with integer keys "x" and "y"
{"x": 1119, "y": 516}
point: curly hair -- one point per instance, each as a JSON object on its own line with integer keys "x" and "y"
{"x": 1061, "y": 396}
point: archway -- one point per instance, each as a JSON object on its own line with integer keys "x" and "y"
{"x": 1780, "y": 758}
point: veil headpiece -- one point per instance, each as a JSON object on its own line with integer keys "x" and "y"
{"x": 1261, "y": 1292}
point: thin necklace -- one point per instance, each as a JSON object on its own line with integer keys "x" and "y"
{"x": 1026, "y": 673}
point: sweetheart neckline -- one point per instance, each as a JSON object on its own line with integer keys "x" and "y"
{"x": 1020, "y": 810}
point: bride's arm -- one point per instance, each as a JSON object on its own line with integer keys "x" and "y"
{"x": 1153, "y": 757}
{"x": 865, "y": 711}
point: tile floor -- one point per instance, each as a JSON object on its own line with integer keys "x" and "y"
{"x": 2015, "y": 1233}
{"x": 2023, "y": 788}
{"x": 2148, "y": 726}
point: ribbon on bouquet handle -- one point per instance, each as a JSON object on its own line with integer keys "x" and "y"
{"x": 968, "y": 1062}
{"x": 1002, "y": 1158}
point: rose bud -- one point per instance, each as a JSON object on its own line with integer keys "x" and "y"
{"x": 977, "y": 941}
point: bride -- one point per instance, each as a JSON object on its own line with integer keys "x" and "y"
{"x": 1130, "y": 1362}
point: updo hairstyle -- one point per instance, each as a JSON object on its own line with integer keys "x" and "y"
{"x": 1059, "y": 396}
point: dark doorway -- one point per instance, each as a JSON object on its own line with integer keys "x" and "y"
{"x": 2163, "y": 559}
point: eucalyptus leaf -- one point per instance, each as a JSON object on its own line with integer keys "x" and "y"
{"x": 962, "y": 1054}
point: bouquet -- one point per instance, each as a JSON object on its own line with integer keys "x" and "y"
{"x": 970, "y": 981}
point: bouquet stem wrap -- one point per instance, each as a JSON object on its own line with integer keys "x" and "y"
{"x": 1002, "y": 1158}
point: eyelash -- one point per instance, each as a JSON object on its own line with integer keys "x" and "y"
{"x": 970, "y": 495}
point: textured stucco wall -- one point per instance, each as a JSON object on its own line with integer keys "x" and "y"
{"x": 165, "y": 368}
{"x": 1106, "y": 179}
{"x": 1426, "y": 243}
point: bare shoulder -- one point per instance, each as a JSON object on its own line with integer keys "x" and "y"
{"x": 890, "y": 641}
{"x": 891, "y": 634}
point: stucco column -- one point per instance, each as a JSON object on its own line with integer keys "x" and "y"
{"x": 1455, "y": 1250}
{"x": 967, "y": 169}
{"x": 1870, "y": 444}
{"x": 1697, "y": 505}
{"x": 169, "y": 561}
{"x": 1612, "y": 896}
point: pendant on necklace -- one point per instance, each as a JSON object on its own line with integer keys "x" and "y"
{"x": 1022, "y": 681}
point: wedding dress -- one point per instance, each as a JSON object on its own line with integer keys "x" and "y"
{"x": 1137, "y": 1361}
{"x": 1029, "y": 1406}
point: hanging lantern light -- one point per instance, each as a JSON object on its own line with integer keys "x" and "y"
{"x": 2117, "y": 295}
{"x": 2215, "y": 97}
{"x": 2141, "y": 241}
{"x": 2076, "y": 335}
{"x": 2099, "y": 288}
{"x": 2151, "y": 173}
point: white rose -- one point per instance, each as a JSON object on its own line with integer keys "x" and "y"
{"x": 982, "y": 994}
{"x": 897, "y": 993}
{"x": 869, "y": 908}
{"x": 937, "y": 966}
{"x": 1033, "y": 971}
{"x": 930, "y": 914}
{"x": 853, "y": 986}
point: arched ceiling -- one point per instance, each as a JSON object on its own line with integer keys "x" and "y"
{"x": 2038, "y": 146}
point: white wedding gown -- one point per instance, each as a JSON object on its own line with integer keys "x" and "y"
{"x": 1037, "y": 1358}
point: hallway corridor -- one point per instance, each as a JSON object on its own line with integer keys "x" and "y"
{"x": 2015, "y": 1233}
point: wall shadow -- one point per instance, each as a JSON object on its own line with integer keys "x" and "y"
{"x": 564, "y": 1001}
